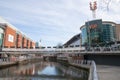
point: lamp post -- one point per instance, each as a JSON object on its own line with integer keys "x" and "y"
{"x": 40, "y": 44}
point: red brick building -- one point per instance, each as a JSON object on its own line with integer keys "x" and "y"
{"x": 11, "y": 37}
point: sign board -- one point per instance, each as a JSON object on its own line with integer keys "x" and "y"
{"x": 10, "y": 38}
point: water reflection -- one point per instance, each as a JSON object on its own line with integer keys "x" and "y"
{"x": 43, "y": 71}
{"x": 50, "y": 70}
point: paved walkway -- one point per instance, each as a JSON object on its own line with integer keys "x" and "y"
{"x": 108, "y": 72}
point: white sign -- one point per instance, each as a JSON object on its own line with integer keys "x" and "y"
{"x": 1, "y": 30}
{"x": 10, "y": 38}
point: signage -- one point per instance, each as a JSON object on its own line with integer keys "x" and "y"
{"x": 93, "y": 26}
{"x": 10, "y": 38}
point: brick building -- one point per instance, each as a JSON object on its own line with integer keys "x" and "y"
{"x": 11, "y": 37}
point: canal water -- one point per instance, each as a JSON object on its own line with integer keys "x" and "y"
{"x": 43, "y": 71}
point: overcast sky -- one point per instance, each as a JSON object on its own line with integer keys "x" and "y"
{"x": 55, "y": 21}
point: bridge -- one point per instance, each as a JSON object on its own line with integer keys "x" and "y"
{"x": 80, "y": 50}
{"x": 102, "y": 55}
{"x": 44, "y": 51}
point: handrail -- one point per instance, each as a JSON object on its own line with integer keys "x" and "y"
{"x": 93, "y": 72}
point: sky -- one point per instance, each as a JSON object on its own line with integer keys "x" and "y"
{"x": 55, "y": 21}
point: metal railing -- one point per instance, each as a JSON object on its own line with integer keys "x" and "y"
{"x": 46, "y": 50}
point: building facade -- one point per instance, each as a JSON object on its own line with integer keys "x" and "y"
{"x": 108, "y": 31}
{"x": 118, "y": 32}
{"x": 11, "y": 37}
{"x": 98, "y": 32}
{"x": 1, "y": 34}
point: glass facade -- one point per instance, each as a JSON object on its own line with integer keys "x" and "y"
{"x": 1, "y": 37}
{"x": 109, "y": 32}
{"x": 84, "y": 35}
{"x": 96, "y": 32}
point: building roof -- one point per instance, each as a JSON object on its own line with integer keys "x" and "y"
{"x": 73, "y": 39}
{"x": 108, "y": 22}
{"x": 81, "y": 26}
{"x": 103, "y": 22}
{"x": 3, "y": 21}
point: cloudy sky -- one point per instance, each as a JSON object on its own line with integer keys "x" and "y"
{"x": 55, "y": 21}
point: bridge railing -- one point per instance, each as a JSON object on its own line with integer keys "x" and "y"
{"x": 76, "y": 49}
{"x": 64, "y": 50}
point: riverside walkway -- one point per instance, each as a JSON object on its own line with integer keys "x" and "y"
{"x": 108, "y": 72}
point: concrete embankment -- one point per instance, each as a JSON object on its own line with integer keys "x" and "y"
{"x": 84, "y": 64}
{"x": 88, "y": 65}
{"x": 7, "y": 63}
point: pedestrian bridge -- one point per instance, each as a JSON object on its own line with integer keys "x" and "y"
{"x": 60, "y": 50}
{"x": 46, "y": 50}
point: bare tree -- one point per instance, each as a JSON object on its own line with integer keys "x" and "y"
{"x": 104, "y": 4}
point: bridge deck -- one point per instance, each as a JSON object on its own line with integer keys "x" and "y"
{"x": 58, "y": 50}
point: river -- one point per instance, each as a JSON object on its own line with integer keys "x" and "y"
{"x": 43, "y": 71}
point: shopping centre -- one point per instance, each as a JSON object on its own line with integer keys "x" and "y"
{"x": 96, "y": 32}
{"x": 11, "y": 37}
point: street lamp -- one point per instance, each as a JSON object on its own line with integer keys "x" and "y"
{"x": 40, "y": 44}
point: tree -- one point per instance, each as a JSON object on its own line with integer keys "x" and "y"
{"x": 105, "y": 4}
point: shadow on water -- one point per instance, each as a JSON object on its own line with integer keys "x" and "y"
{"x": 43, "y": 71}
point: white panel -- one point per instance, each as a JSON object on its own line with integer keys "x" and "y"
{"x": 10, "y": 38}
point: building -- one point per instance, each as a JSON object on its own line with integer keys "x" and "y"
{"x": 98, "y": 32}
{"x": 75, "y": 41}
{"x": 38, "y": 45}
{"x": 118, "y": 32}
{"x": 11, "y": 37}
